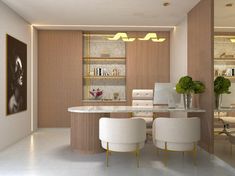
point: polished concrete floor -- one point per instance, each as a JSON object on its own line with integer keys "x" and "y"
{"x": 47, "y": 153}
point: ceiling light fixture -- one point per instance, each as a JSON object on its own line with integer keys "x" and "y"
{"x": 153, "y": 37}
{"x": 121, "y": 35}
{"x": 149, "y": 36}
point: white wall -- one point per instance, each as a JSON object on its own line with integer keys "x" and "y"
{"x": 34, "y": 81}
{"x": 178, "y": 56}
{"x": 178, "y": 52}
{"x": 13, "y": 127}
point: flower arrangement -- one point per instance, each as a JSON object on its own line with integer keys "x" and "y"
{"x": 96, "y": 93}
{"x": 221, "y": 86}
{"x": 187, "y": 87}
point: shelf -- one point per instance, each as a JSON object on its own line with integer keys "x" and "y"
{"x": 107, "y": 58}
{"x": 97, "y": 60}
{"x": 230, "y": 77}
{"x": 104, "y": 101}
{"x": 224, "y": 59}
{"x": 104, "y": 77}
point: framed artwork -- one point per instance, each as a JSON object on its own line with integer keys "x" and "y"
{"x": 16, "y": 53}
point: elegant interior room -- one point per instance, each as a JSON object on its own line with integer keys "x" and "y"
{"x": 106, "y": 87}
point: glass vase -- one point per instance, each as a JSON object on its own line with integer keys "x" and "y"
{"x": 187, "y": 101}
{"x": 218, "y": 100}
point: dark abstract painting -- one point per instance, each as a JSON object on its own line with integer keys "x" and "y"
{"x": 16, "y": 75}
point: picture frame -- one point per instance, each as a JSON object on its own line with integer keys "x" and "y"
{"x": 16, "y": 75}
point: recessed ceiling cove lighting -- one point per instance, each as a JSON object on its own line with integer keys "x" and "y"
{"x": 165, "y": 4}
{"x": 229, "y": 5}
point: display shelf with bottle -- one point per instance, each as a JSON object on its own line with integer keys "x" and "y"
{"x": 224, "y": 57}
{"x": 104, "y": 69}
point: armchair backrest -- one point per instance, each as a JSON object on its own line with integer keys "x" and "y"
{"x": 178, "y": 130}
{"x": 122, "y": 130}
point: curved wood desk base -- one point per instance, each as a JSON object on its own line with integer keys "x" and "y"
{"x": 85, "y": 132}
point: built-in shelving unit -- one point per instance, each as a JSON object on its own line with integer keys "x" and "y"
{"x": 97, "y": 60}
{"x": 224, "y": 57}
{"x": 104, "y": 77}
{"x": 104, "y": 68}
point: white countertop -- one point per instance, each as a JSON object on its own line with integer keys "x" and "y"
{"x": 127, "y": 109}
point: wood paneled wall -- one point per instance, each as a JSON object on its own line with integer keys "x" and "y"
{"x": 60, "y": 72}
{"x": 200, "y": 63}
{"x": 59, "y": 76}
{"x": 147, "y": 62}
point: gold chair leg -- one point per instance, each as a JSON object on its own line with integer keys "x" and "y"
{"x": 107, "y": 155}
{"x": 183, "y": 154}
{"x": 195, "y": 153}
{"x": 137, "y": 154}
{"x": 166, "y": 154}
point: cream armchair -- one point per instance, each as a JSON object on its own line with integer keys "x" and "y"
{"x": 143, "y": 98}
{"x": 122, "y": 135}
{"x": 176, "y": 134}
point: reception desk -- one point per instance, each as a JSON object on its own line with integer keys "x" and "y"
{"x": 85, "y": 123}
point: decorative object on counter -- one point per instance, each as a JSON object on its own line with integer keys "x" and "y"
{"x": 188, "y": 87}
{"x": 100, "y": 72}
{"x": 96, "y": 93}
{"x": 105, "y": 55}
{"x": 224, "y": 55}
{"x": 115, "y": 95}
{"x": 221, "y": 86}
{"x": 115, "y": 72}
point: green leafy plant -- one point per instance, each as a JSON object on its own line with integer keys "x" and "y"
{"x": 221, "y": 85}
{"x": 199, "y": 87}
{"x": 186, "y": 85}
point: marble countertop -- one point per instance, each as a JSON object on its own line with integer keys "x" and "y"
{"x": 127, "y": 109}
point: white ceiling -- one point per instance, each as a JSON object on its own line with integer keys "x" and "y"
{"x": 147, "y": 13}
{"x": 224, "y": 16}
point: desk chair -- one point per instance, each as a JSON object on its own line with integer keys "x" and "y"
{"x": 143, "y": 98}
